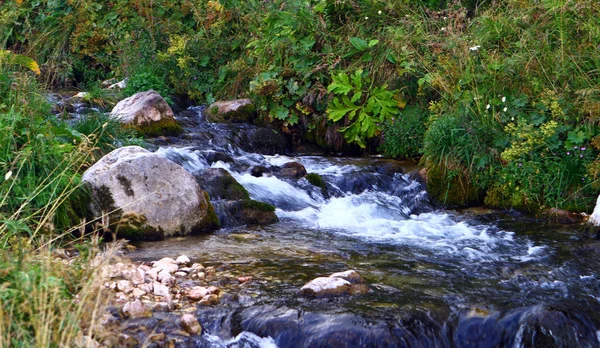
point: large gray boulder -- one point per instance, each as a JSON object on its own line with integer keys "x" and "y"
{"x": 145, "y": 196}
{"x": 148, "y": 112}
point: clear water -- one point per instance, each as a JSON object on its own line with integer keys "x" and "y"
{"x": 438, "y": 278}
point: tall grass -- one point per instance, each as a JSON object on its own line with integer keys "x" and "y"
{"x": 47, "y": 298}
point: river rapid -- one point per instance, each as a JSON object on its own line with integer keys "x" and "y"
{"x": 437, "y": 278}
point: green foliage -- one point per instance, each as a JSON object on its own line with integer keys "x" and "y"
{"x": 144, "y": 81}
{"x": 402, "y": 136}
{"x": 477, "y": 66}
{"x": 362, "y": 108}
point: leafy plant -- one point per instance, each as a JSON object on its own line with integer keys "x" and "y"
{"x": 362, "y": 108}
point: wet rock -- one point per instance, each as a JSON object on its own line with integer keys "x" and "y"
{"x": 244, "y": 279}
{"x": 219, "y": 184}
{"x": 190, "y": 324}
{"x": 209, "y": 300}
{"x": 162, "y": 307}
{"x": 212, "y": 156}
{"x": 251, "y": 212}
{"x": 292, "y": 170}
{"x": 231, "y": 111}
{"x": 258, "y": 171}
{"x": 563, "y": 216}
{"x": 148, "y": 112}
{"x": 265, "y": 141}
{"x": 342, "y": 283}
{"x": 150, "y": 197}
{"x": 136, "y": 309}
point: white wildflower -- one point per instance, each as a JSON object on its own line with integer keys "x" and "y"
{"x": 8, "y": 175}
{"x": 505, "y": 108}
{"x": 366, "y": 18}
{"x": 487, "y": 107}
{"x": 504, "y": 99}
{"x": 379, "y": 12}
{"x": 475, "y": 48}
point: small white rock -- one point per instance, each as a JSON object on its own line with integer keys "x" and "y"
{"x": 161, "y": 290}
{"x": 124, "y": 286}
{"x": 183, "y": 260}
{"x": 137, "y": 293}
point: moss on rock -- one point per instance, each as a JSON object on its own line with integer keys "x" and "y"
{"x": 211, "y": 220}
{"x": 316, "y": 180}
{"x": 162, "y": 127}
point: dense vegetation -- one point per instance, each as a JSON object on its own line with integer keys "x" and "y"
{"x": 41, "y": 204}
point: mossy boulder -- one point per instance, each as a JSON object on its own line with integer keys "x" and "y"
{"x": 451, "y": 188}
{"x": 221, "y": 185}
{"x": 148, "y": 113}
{"x": 251, "y": 212}
{"x": 141, "y": 195}
{"x": 231, "y": 111}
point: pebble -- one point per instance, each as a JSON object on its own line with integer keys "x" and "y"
{"x": 190, "y": 324}
{"x": 183, "y": 260}
{"x": 244, "y": 279}
{"x": 124, "y": 286}
{"x": 137, "y": 293}
{"x": 136, "y": 309}
{"x": 209, "y": 300}
{"x": 197, "y": 293}
{"x": 161, "y": 290}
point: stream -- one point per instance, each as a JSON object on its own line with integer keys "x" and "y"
{"x": 437, "y": 278}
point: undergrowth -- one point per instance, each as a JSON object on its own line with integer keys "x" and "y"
{"x": 463, "y": 84}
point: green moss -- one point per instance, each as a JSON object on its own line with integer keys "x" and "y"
{"x": 256, "y": 205}
{"x": 162, "y": 127}
{"x": 316, "y": 180}
{"x": 134, "y": 226}
{"x": 244, "y": 114}
{"x": 211, "y": 221}
{"x": 232, "y": 188}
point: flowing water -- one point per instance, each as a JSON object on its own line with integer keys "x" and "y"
{"x": 476, "y": 278}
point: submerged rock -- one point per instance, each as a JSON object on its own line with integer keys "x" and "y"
{"x": 142, "y": 195}
{"x": 190, "y": 324}
{"x": 341, "y": 283}
{"x": 147, "y": 112}
{"x": 231, "y": 111}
